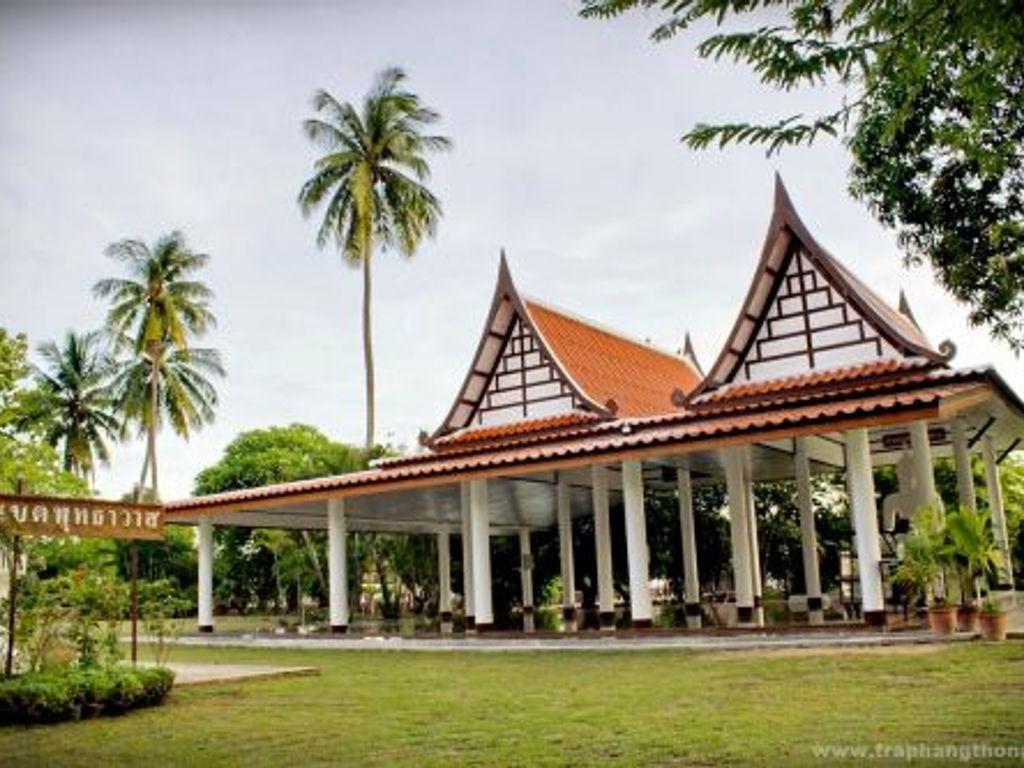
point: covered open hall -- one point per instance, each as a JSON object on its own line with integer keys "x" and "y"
{"x": 559, "y": 418}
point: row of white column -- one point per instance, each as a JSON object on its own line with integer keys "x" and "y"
{"x": 476, "y": 552}
{"x": 476, "y": 532}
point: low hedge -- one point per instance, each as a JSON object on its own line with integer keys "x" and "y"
{"x": 70, "y": 694}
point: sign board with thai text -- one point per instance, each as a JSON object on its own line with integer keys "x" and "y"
{"x": 57, "y": 516}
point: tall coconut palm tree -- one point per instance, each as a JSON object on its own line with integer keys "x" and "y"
{"x": 154, "y": 313}
{"x": 371, "y": 184}
{"x": 74, "y": 407}
{"x": 184, "y": 395}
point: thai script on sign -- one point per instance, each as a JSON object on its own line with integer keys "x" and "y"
{"x": 49, "y": 516}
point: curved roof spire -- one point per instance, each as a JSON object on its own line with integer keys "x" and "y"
{"x": 690, "y": 354}
{"x": 540, "y": 359}
{"x": 795, "y": 279}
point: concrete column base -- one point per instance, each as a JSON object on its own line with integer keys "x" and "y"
{"x": 529, "y": 624}
{"x": 569, "y": 619}
{"x": 470, "y": 625}
{"x": 606, "y": 621}
{"x": 693, "y": 616}
{"x": 447, "y": 626}
{"x": 875, "y": 618}
{"x": 206, "y": 628}
{"x": 816, "y": 618}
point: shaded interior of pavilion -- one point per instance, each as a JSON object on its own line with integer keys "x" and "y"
{"x": 565, "y": 433}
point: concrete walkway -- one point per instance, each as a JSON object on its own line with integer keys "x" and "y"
{"x": 696, "y": 642}
{"x": 189, "y": 673}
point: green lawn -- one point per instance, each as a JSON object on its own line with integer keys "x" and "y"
{"x": 565, "y": 708}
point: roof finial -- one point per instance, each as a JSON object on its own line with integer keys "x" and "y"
{"x": 782, "y": 201}
{"x": 504, "y": 273}
{"x": 690, "y": 355}
{"x": 905, "y": 310}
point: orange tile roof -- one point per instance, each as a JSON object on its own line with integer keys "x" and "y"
{"x": 876, "y": 371}
{"x": 607, "y": 438}
{"x": 502, "y": 432}
{"x": 607, "y": 367}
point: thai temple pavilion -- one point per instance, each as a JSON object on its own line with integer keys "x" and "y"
{"x": 556, "y": 414}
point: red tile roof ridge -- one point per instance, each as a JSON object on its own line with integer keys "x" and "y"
{"x": 586, "y": 444}
{"x": 532, "y": 426}
{"x": 738, "y": 389}
{"x": 845, "y": 388}
{"x": 602, "y": 328}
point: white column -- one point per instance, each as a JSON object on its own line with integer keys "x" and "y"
{"x": 809, "y": 536}
{"x": 691, "y": 577}
{"x": 636, "y": 543}
{"x": 962, "y": 460}
{"x": 444, "y": 578}
{"x": 861, "y": 483}
{"x": 337, "y": 565}
{"x": 481, "y": 535}
{"x": 603, "y": 547}
{"x": 755, "y": 552}
{"x": 205, "y": 543}
{"x": 997, "y": 513}
{"x": 923, "y": 467}
{"x": 468, "y": 604}
{"x": 526, "y": 578}
{"x": 563, "y": 496}
{"x": 738, "y": 535}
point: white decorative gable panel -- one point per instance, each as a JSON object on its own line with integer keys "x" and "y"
{"x": 524, "y": 383}
{"x": 808, "y": 325}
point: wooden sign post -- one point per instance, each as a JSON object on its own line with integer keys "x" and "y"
{"x": 58, "y": 516}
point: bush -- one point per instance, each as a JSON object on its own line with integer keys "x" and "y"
{"x": 72, "y": 693}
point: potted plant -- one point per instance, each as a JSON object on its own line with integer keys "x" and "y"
{"x": 917, "y": 573}
{"x": 992, "y": 619}
{"x": 969, "y": 548}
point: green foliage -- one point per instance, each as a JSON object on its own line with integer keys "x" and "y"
{"x": 160, "y": 302}
{"x": 22, "y": 456}
{"x": 932, "y": 111}
{"x": 278, "y": 455}
{"x": 39, "y": 467}
{"x": 919, "y": 567}
{"x": 253, "y": 568}
{"x": 371, "y": 184}
{"x": 72, "y": 404}
{"x": 188, "y": 398}
{"x": 159, "y": 603}
{"x": 72, "y": 693}
{"x": 155, "y": 314}
{"x": 372, "y": 177}
{"x": 14, "y": 369}
{"x": 80, "y": 608}
{"x": 970, "y": 548}
{"x": 991, "y": 607}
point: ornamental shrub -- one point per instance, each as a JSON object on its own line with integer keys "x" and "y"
{"x": 70, "y": 693}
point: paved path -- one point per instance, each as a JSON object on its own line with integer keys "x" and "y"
{"x": 746, "y": 641}
{"x": 188, "y": 673}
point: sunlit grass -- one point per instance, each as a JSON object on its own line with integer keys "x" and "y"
{"x": 558, "y": 708}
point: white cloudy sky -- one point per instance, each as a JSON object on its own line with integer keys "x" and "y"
{"x": 121, "y": 119}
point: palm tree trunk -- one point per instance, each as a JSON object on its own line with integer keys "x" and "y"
{"x": 314, "y": 558}
{"x": 145, "y": 471}
{"x": 368, "y": 348}
{"x": 154, "y": 406}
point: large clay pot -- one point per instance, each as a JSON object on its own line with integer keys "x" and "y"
{"x": 967, "y": 618}
{"x": 993, "y": 626}
{"x": 942, "y": 619}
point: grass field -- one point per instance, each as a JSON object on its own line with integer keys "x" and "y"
{"x": 563, "y": 708}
